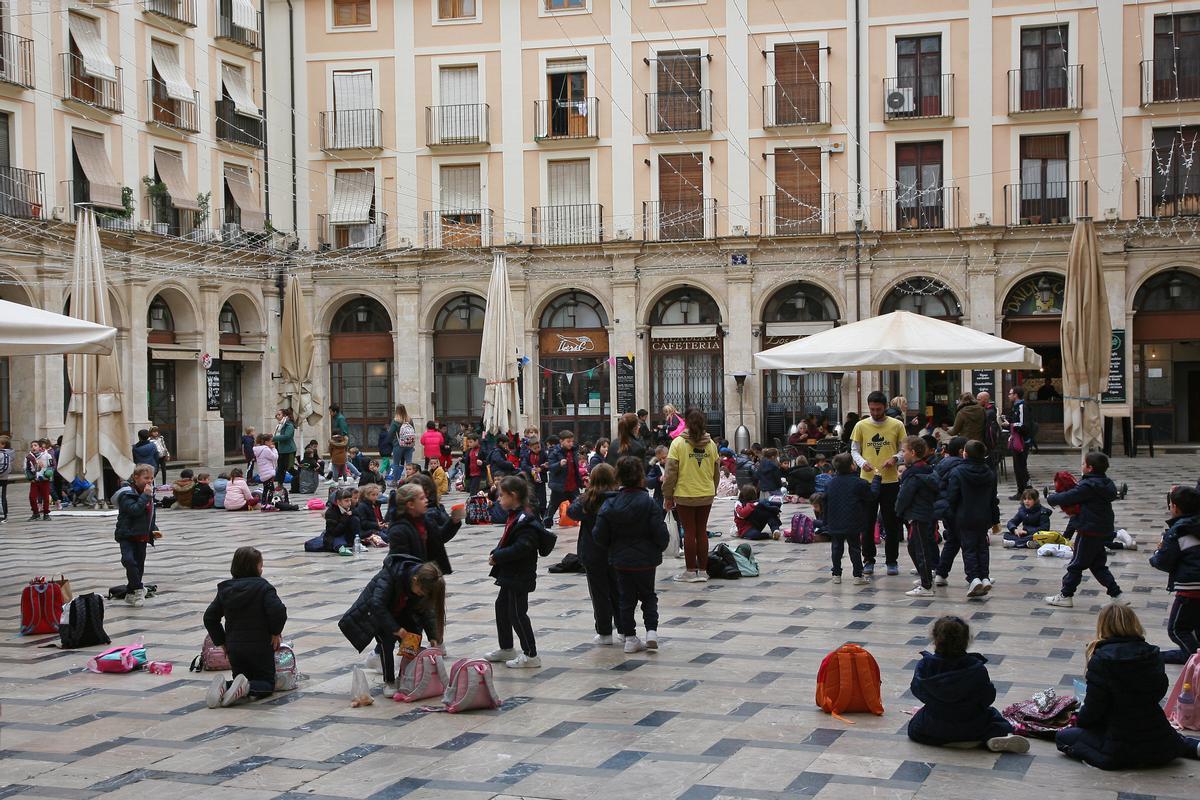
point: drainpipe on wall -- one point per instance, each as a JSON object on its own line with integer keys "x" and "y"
{"x": 858, "y": 212}
{"x": 262, "y": 10}
{"x": 292, "y": 90}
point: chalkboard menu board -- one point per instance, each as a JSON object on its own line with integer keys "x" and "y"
{"x": 983, "y": 380}
{"x": 212, "y": 386}
{"x": 1116, "y": 391}
{"x": 626, "y": 386}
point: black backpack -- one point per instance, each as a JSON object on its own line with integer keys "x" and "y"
{"x": 85, "y": 623}
{"x": 722, "y": 564}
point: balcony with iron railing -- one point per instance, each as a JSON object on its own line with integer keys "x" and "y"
{"x": 679, "y": 112}
{"x": 924, "y": 97}
{"x": 79, "y": 87}
{"x": 230, "y": 31}
{"x": 22, "y": 193}
{"x": 1045, "y": 203}
{"x": 457, "y": 228}
{"x": 16, "y": 60}
{"x": 167, "y": 220}
{"x": 925, "y": 209}
{"x": 229, "y": 220}
{"x": 569, "y": 224}
{"x": 180, "y": 115}
{"x": 79, "y": 193}
{"x": 788, "y": 105}
{"x": 233, "y": 126}
{"x": 1170, "y": 80}
{"x": 1045, "y": 89}
{"x": 566, "y": 119}
{"x": 465, "y": 123}
{"x": 1176, "y": 194}
{"x": 797, "y": 214}
{"x": 182, "y": 12}
{"x": 352, "y": 129}
{"x": 355, "y": 236}
{"x": 679, "y": 220}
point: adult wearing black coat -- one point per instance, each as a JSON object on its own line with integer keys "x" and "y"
{"x": 958, "y": 697}
{"x": 254, "y": 618}
{"x": 386, "y": 605}
{"x": 1121, "y": 724}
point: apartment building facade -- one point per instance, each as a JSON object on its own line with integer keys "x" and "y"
{"x": 680, "y": 183}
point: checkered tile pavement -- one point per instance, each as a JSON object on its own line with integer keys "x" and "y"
{"x": 723, "y": 710}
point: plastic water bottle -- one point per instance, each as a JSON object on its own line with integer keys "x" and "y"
{"x": 1186, "y": 696}
{"x": 358, "y": 545}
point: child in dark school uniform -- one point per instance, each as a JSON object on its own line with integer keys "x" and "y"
{"x": 1032, "y": 517}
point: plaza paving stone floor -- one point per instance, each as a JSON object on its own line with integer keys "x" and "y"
{"x": 723, "y": 710}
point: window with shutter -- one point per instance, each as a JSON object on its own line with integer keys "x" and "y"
{"x": 1043, "y": 67}
{"x": 351, "y": 12}
{"x": 797, "y": 83}
{"x": 460, "y": 116}
{"x": 679, "y": 97}
{"x": 681, "y": 196}
{"x": 1175, "y": 182}
{"x": 1177, "y": 56}
{"x": 797, "y": 190}
{"x": 461, "y": 218}
{"x": 1044, "y": 185}
{"x": 456, "y": 9}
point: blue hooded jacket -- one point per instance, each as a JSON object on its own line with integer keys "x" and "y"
{"x": 1179, "y": 554}
{"x": 918, "y": 492}
{"x": 958, "y": 696}
{"x": 1094, "y": 494}
{"x": 971, "y": 497}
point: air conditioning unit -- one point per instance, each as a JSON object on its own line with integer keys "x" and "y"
{"x": 361, "y": 236}
{"x": 145, "y": 225}
{"x": 837, "y": 147}
{"x": 623, "y": 235}
{"x": 230, "y": 231}
{"x": 982, "y": 218}
{"x": 512, "y": 238}
{"x": 58, "y": 213}
{"x": 738, "y": 230}
{"x": 899, "y": 101}
{"x": 404, "y": 243}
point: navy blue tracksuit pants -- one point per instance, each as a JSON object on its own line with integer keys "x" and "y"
{"x": 1090, "y": 555}
{"x": 976, "y": 558}
{"x": 636, "y": 586}
{"x": 950, "y": 548}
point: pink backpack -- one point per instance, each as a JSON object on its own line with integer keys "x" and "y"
{"x": 423, "y": 677}
{"x": 470, "y": 686}
{"x": 211, "y": 658}
{"x": 802, "y": 530}
{"x": 315, "y": 504}
{"x": 123, "y": 658}
{"x": 1186, "y": 715}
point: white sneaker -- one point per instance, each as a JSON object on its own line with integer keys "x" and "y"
{"x": 600, "y": 638}
{"x": 373, "y": 662}
{"x": 523, "y": 661}
{"x": 504, "y": 654}
{"x": 679, "y": 553}
{"x": 389, "y": 689}
{"x": 1120, "y": 599}
{"x": 682, "y": 577}
{"x": 634, "y": 645}
{"x": 987, "y": 585}
{"x": 700, "y": 576}
{"x": 237, "y": 691}
{"x": 914, "y": 571}
{"x": 938, "y": 580}
{"x": 1008, "y": 744}
{"x": 651, "y": 640}
{"x": 836, "y": 579}
{"x": 1009, "y": 544}
{"x": 618, "y": 638}
{"x": 861, "y": 580}
{"x": 920, "y": 591}
{"x": 135, "y": 598}
{"x": 1060, "y": 600}
{"x": 216, "y": 690}
{"x": 976, "y": 588}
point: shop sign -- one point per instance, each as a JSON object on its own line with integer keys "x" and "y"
{"x": 573, "y": 342}
{"x": 1116, "y": 393}
{"x": 983, "y": 380}
{"x": 626, "y": 386}
{"x": 212, "y": 386}
{"x": 705, "y": 343}
{"x": 776, "y": 341}
{"x": 1037, "y": 295}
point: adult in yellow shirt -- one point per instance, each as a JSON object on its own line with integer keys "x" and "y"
{"x": 689, "y": 486}
{"x": 875, "y": 447}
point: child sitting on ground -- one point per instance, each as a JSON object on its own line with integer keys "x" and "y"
{"x": 958, "y": 695}
{"x": 751, "y": 515}
{"x": 370, "y": 516}
{"x": 254, "y": 619}
{"x": 82, "y": 492}
{"x": 181, "y": 490}
{"x": 341, "y": 526}
{"x": 371, "y": 474}
{"x": 238, "y": 496}
{"x": 802, "y": 478}
{"x": 726, "y": 486}
{"x": 220, "y": 485}
{"x": 1178, "y": 555}
{"x": 1032, "y": 517}
{"x": 203, "y": 494}
{"x": 817, "y": 501}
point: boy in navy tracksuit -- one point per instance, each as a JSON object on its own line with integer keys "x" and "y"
{"x": 533, "y": 467}
{"x": 974, "y": 507}
{"x": 563, "y": 475}
{"x": 914, "y": 505}
{"x": 846, "y": 516}
{"x": 1179, "y": 556}
{"x": 1094, "y": 526}
{"x": 941, "y": 509}
{"x": 1032, "y": 517}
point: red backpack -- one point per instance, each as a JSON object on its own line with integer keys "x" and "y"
{"x": 848, "y": 680}
{"x": 1063, "y": 481}
{"x": 41, "y": 607}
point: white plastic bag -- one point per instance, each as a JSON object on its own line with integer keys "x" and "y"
{"x": 1055, "y": 551}
{"x": 360, "y": 690}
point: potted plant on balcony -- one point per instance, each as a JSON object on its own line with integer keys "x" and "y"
{"x": 160, "y": 199}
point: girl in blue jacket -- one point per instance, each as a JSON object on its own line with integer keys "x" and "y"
{"x": 1179, "y": 556}
{"x": 958, "y": 695}
{"x": 601, "y": 577}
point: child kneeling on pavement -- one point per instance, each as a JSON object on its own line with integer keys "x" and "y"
{"x": 254, "y": 619}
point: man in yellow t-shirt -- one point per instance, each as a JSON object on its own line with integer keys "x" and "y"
{"x": 875, "y": 446}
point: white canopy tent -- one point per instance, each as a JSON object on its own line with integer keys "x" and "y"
{"x": 899, "y": 340}
{"x": 28, "y": 331}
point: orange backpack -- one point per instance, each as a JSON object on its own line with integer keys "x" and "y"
{"x": 563, "y": 520}
{"x": 848, "y": 680}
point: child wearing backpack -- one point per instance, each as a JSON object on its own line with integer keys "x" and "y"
{"x": 601, "y": 576}
{"x": 846, "y": 516}
{"x": 1032, "y": 517}
{"x": 1178, "y": 555}
{"x": 632, "y": 526}
{"x": 254, "y": 619}
{"x": 265, "y": 460}
{"x": 1094, "y": 526}
{"x": 914, "y": 506}
{"x": 514, "y": 567}
{"x": 751, "y": 515}
{"x": 958, "y": 694}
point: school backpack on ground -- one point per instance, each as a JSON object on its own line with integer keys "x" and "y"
{"x": 1041, "y": 716}
{"x": 722, "y": 564}
{"x": 565, "y": 521}
{"x": 423, "y": 677}
{"x": 1186, "y": 715}
{"x": 82, "y": 623}
{"x": 119, "y": 592}
{"x": 122, "y": 658}
{"x": 287, "y": 674}
{"x": 41, "y": 607}
{"x": 315, "y": 504}
{"x": 1063, "y": 481}
{"x": 802, "y": 530}
{"x": 211, "y": 658}
{"x": 308, "y": 481}
{"x": 743, "y": 554}
{"x": 477, "y": 511}
{"x": 546, "y": 542}
{"x": 849, "y": 681}
{"x": 470, "y": 686}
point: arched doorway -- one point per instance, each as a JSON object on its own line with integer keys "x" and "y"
{"x": 797, "y": 310}
{"x": 573, "y": 357}
{"x": 1166, "y": 355}
{"x": 930, "y": 392}
{"x": 231, "y": 380}
{"x": 360, "y": 368}
{"x": 1032, "y": 314}
{"x": 457, "y": 338}
{"x": 160, "y": 373}
{"x": 687, "y": 355}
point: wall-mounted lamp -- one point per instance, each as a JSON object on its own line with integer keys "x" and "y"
{"x": 646, "y": 161}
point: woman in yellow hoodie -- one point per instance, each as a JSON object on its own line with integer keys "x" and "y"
{"x": 689, "y": 486}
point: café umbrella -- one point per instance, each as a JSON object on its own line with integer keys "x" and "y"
{"x": 1085, "y": 335}
{"x": 498, "y": 354}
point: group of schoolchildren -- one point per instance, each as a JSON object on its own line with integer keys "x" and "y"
{"x": 47, "y": 488}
